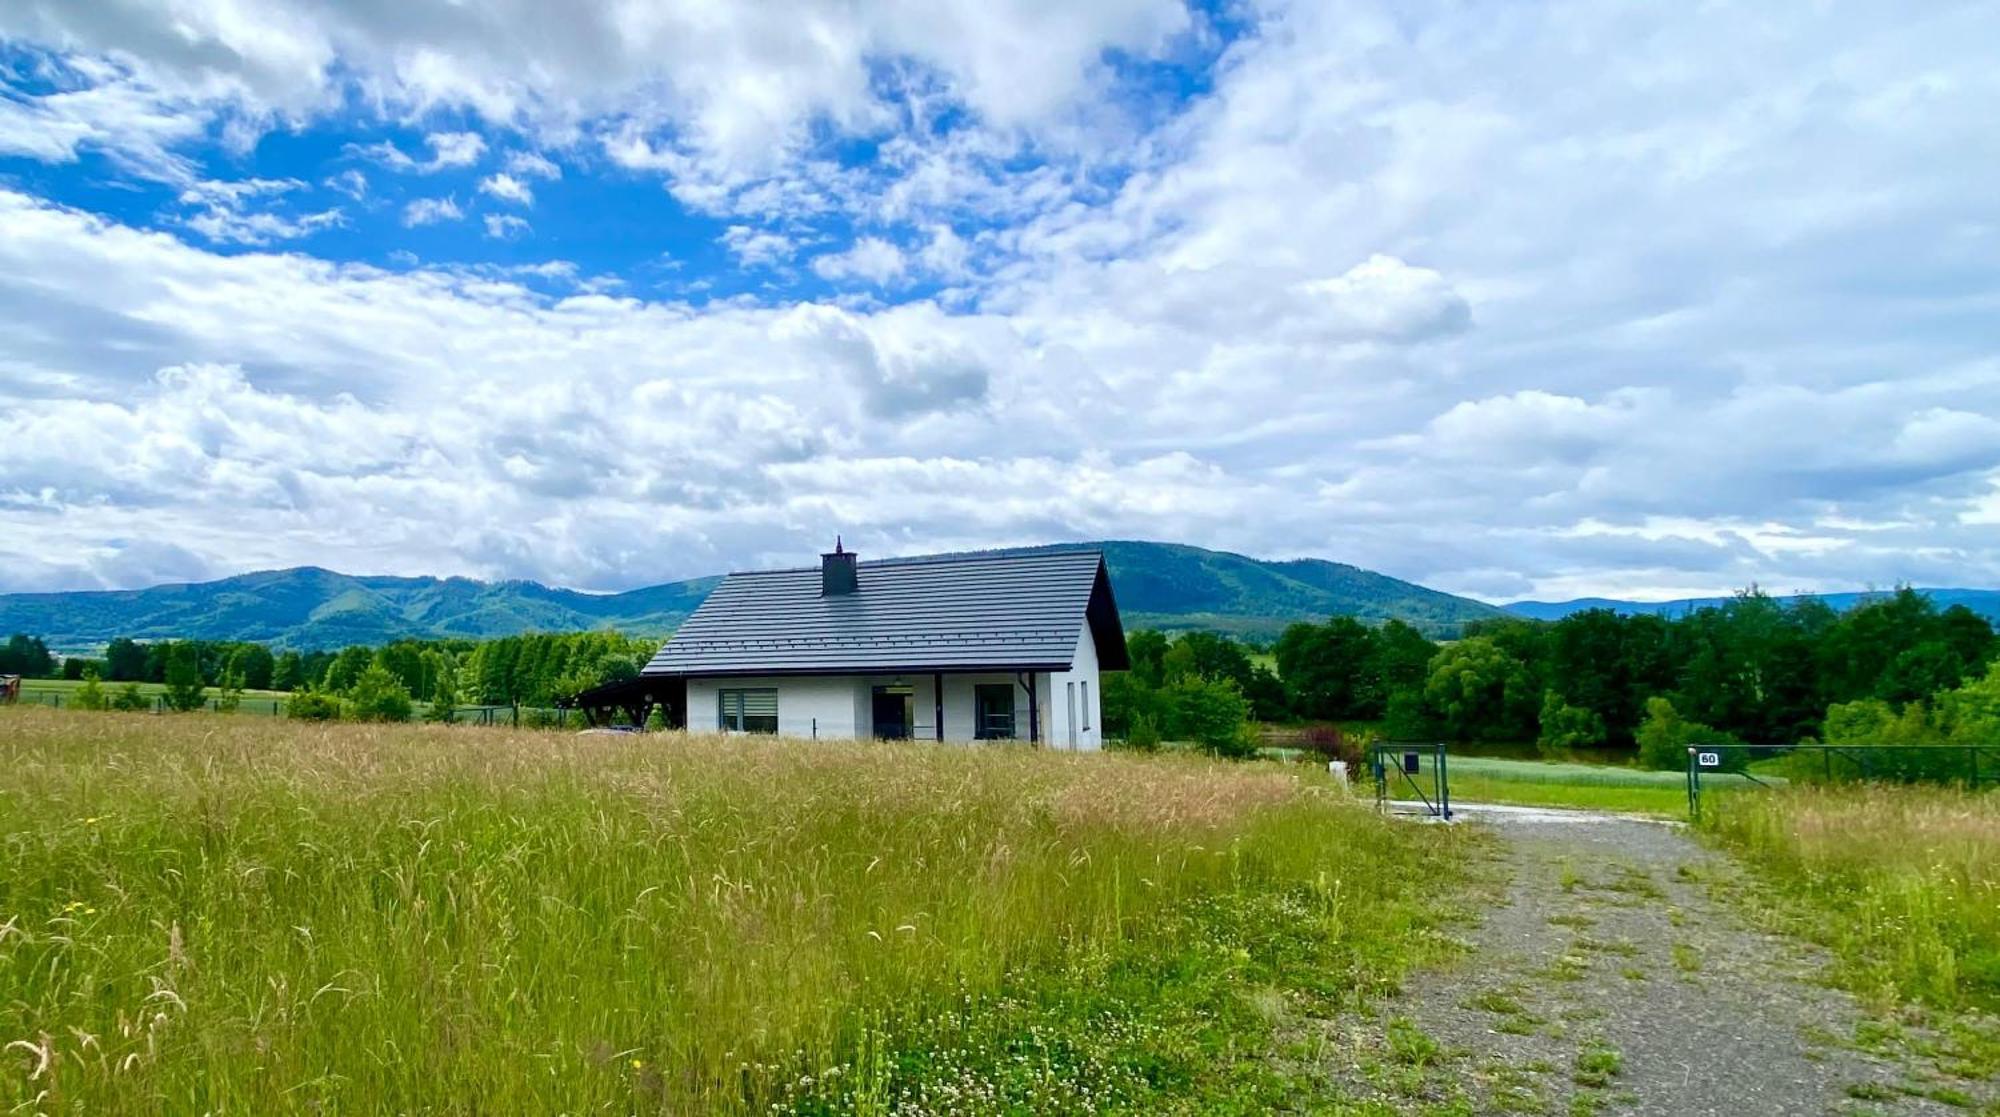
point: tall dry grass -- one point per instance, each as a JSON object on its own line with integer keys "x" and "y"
{"x": 1903, "y": 882}
{"x": 215, "y": 914}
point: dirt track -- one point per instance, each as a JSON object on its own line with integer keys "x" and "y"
{"x": 1611, "y": 974}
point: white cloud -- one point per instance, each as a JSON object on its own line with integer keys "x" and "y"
{"x": 757, "y": 247}
{"x": 430, "y": 211}
{"x": 350, "y": 182}
{"x": 507, "y": 188}
{"x": 454, "y": 149}
{"x": 1519, "y": 299}
{"x": 504, "y": 226}
{"x": 448, "y": 150}
{"x": 729, "y": 93}
{"x": 870, "y": 258}
{"x": 530, "y": 164}
{"x": 223, "y": 213}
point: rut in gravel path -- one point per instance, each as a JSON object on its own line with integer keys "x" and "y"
{"x": 1607, "y": 977}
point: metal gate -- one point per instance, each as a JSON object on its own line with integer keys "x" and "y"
{"x": 1419, "y": 768}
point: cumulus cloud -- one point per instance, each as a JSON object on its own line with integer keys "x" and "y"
{"x": 870, "y": 258}
{"x": 507, "y": 188}
{"x": 1513, "y": 300}
{"x": 757, "y": 247}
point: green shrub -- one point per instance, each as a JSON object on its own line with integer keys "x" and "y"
{"x": 1665, "y": 737}
{"x": 90, "y": 696}
{"x": 312, "y": 705}
{"x": 379, "y": 696}
{"x": 1144, "y": 735}
{"x": 1212, "y": 713}
{"x": 185, "y": 689}
{"x": 231, "y": 694}
{"x": 129, "y": 699}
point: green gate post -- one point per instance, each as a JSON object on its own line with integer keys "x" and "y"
{"x": 1694, "y": 784}
{"x": 1444, "y": 784}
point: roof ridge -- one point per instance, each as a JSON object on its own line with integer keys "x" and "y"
{"x": 947, "y": 559}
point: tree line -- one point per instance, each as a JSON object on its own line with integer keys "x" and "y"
{"x": 381, "y": 683}
{"x": 1754, "y": 669}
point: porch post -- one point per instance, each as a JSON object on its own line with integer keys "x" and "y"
{"x": 1034, "y": 713}
{"x": 937, "y": 697}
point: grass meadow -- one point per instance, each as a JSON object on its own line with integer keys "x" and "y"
{"x": 216, "y": 914}
{"x": 1901, "y": 882}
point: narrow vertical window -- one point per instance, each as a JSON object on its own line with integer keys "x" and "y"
{"x": 1086, "y": 704}
{"x": 1070, "y": 691}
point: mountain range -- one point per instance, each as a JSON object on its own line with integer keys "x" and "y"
{"x": 1169, "y": 586}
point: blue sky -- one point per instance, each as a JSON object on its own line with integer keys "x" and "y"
{"x": 1515, "y": 300}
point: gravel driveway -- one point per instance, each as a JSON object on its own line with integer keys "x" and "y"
{"x": 1610, "y": 975}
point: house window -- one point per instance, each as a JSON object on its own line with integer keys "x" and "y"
{"x": 1086, "y": 704}
{"x": 993, "y": 711}
{"x": 749, "y": 711}
{"x": 1070, "y": 690}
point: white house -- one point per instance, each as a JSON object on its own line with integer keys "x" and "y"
{"x": 951, "y": 648}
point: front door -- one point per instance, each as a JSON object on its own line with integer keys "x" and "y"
{"x": 993, "y": 711}
{"x": 893, "y": 707}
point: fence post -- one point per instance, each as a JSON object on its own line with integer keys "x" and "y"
{"x": 1693, "y": 784}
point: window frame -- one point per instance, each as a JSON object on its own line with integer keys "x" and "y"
{"x": 742, "y": 716}
{"x": 979, "y": 727}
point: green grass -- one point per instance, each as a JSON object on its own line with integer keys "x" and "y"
{"x": 1902, "y": 882}
{"x": 213, "y": 914}
{"x": 1539, "y": 783}
{"x": 52, "y": 692}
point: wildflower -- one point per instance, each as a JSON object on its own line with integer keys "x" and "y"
{"x": 638, "y": 1063}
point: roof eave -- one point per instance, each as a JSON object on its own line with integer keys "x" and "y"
{"x": 856, "y": 671}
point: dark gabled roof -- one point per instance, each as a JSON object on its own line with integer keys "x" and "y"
{"x": 949, "y": 613}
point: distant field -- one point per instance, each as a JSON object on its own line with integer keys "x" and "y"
{"x": 61, "y": 693}
{"x": 215, "y": 914}
{"x": 1541, "y": 783}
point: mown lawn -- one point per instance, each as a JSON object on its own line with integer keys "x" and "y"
{"x": 212, "y": 914}
{"x": 1542, "y": 783}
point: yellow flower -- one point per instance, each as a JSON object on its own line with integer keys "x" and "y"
{"x": 637, "y": 1063}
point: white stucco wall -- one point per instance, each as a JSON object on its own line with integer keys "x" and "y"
{"x": 1086, "y": 732}
{"x": 808, "y": 705}
{"x": 840, "y": 707}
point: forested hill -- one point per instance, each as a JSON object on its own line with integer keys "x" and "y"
{"x": 309, "y": 608}
{"x": 1177, "y": 588}
{"x": 1159, "y": 585}
{"x": 1984, "y": 602}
